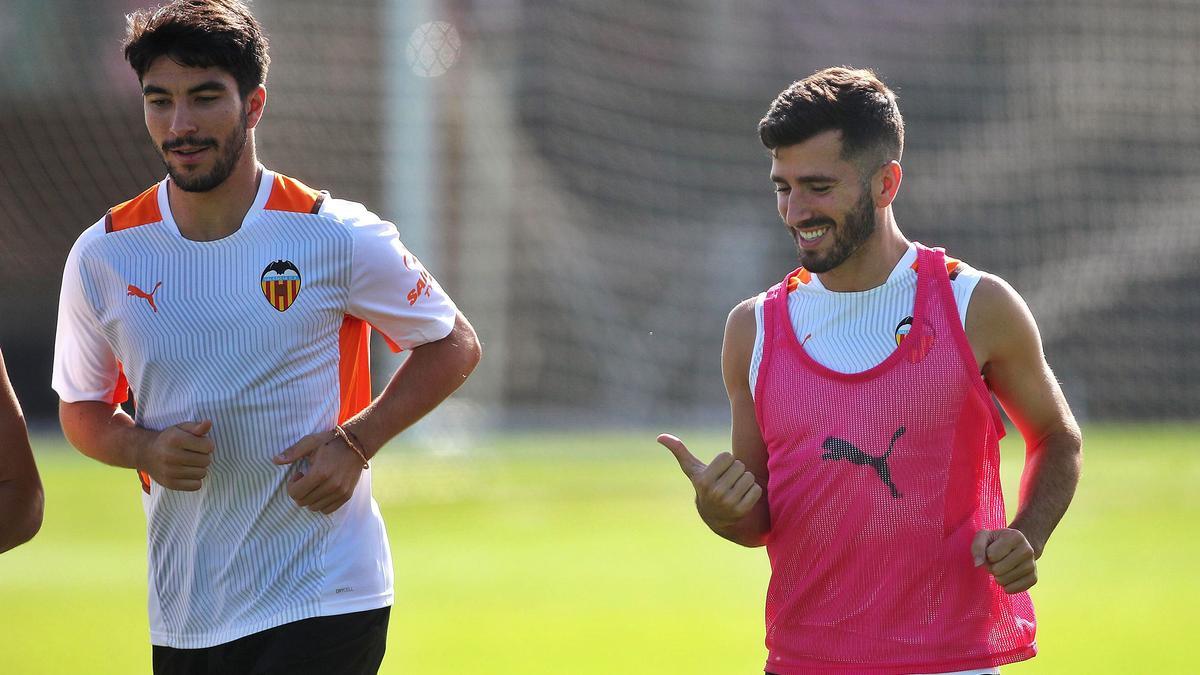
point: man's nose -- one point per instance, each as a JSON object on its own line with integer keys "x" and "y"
{"x": 796, "y": 210}
{"x": 183, "y": 122}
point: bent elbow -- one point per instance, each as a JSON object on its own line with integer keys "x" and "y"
{"x": 26, "y": 524}
{"x": 470, "y": 350}
{"x": 474, "y": 355}
{"x": 33, "y": 522}
{"x": 35, "y": 513}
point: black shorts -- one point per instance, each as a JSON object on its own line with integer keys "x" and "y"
{"x": 342, "y": 644}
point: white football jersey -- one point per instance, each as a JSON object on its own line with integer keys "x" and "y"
{"x": 855, "y": 331}
{"x": 265, "y": 332}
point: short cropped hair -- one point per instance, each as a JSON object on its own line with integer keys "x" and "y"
{"x": 200, "y": 34}
{"x": 853, "y": 101}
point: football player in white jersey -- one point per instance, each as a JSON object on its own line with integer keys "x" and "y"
{"x": 236, "y": 303}
{"x": 20, "y": 487}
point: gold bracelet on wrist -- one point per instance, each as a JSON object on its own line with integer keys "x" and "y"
{"x": 351, "y": 442}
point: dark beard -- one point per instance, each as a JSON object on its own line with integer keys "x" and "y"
{"x": 227, "y": 159}
{"x": 847, "y": 238}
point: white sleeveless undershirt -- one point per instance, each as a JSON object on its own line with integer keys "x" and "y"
{"x": 854, "y": 331}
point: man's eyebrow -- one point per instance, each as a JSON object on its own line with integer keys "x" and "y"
{"x": 812, "y": 178}
{"x": 210, "y": 85}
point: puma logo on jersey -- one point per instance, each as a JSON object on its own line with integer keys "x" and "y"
{"x": 840, "y": 449}
{"x": 148, "y": 297}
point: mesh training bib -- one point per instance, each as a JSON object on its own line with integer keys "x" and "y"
{"x": 878, "y": 482}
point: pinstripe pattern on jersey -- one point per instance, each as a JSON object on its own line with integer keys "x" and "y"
{"x": 237, "y": 556}
{"x": 853, "y": 332}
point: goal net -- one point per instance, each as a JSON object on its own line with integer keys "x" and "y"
{"x": 587, "y": 182}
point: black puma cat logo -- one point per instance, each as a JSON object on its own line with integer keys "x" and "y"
{"x": 839, "y": 449}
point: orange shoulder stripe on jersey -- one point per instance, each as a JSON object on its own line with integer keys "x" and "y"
{"x": 952, "y": 265}
{"x": 289, "y": 194}
{"x": 141, "y": 210}
{"x": 795, "y": 279}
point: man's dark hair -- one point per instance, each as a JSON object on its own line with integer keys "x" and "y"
{"x": 853, "y": 101}
{"x": 200, "y": 34}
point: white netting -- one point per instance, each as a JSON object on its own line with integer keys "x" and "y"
{"x": 600, "y": 198}
{"x": 1053, "y": 143}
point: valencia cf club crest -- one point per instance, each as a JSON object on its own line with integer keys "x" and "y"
{"x": 281, "y": 284}
{"x": 902, "y": 329}
{"x": 928, "y": 337}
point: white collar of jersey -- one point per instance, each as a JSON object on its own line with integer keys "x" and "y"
{"x": 905, "y": 265}
{"x": 260, "y": 201}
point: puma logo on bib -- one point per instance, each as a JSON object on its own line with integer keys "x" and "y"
{"x": 837, "y": 448}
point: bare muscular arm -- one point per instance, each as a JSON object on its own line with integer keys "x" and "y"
{"x": 1008, "y": 346}
{"x": 176, "y": 458}
{"x": 731, "y": 490}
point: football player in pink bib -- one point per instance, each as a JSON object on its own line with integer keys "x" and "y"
{"x": 865, "y": 440}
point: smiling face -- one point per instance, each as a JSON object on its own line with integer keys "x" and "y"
{"x": 823, "y": 199}
{"x": 198, "y": 122}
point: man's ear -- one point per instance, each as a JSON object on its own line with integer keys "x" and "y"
{"x": 256, "y": 101}
{"x": 886, "y": 184}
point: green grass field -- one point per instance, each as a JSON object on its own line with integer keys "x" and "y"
{"x": 583, "y": 554}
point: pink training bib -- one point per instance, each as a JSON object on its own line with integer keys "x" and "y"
{"x": 878, "y": 482}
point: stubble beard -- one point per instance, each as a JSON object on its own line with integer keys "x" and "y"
{"x": 848, "y": 237}
{"x": 228, "y": 152}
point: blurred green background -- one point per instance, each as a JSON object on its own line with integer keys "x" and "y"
{"x": 585, "y": 181}
{"x": 582, "y": 553}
